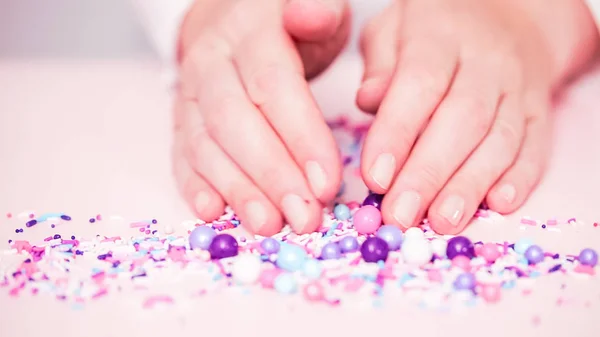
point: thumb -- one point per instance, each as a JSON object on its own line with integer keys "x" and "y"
{"x": 314, "y": 20}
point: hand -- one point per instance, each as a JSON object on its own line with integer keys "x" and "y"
{"x": 462, "y": 90}
{"x": 247, "y": 130}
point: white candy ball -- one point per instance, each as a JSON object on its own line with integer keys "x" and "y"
{"x": 246, "y": 269}
{"x": 438, "y": 246}
{"x": 417, "y": 252}
{"x": 414, "y": 233}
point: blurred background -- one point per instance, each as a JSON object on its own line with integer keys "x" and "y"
{"x": 71, "y": 29}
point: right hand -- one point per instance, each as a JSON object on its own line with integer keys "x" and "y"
{"x": 248, "y": 132}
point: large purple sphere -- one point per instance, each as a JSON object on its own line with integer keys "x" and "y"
{"x": 374, "y": 249}
{"x": 534, "y": 254}
{"x": 588, "y": 257}
{"x": 348, "y": 244}
{"x": 201, "y": 237}
{"x": 269, "y": 245}
{"x": 460, "y": 245}
{"x": 373, "y": 199}
{"x": 465, "y": 281}
{"x": 331, "y": 251}
{"x": 222, "y": 246}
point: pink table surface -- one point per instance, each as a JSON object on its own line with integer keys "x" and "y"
{"x": 94, "y": 137}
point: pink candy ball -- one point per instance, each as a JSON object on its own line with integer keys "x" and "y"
{"x": 462, "y": 262}
{"x": 268, "y": 276}
{"x": 313, "y": 292}
{"x": 367, "y": 219}
{"x": 491, "y": 293}
{"x": 489, "y": 252}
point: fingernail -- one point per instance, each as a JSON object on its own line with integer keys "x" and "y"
{"x": 383, "y": 169}
{"x": 508, "y": 193}
{"x": 406, "y": 207}
{"x": 316, "y": 177}
{"x": 452, "y": 209}
{"x": 257, "y": 215}
{"x": 295, "y": 211}
{"x": 201, "y": 201}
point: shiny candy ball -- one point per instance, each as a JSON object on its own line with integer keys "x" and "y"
{"x": 462, "y": 262}
{"x": 331, "y": 251}
{"x": 588, "y": 257}
{"x": 222, "y": 246}
{"x": 490, "y": 252}
{"x": 414, "y": 233}
{"x": 534, "y": 254}
{"x": 246, "y": 269}
{"x": 522, "y": 244}
{"x": 367, "y": 219}
{"x": 417, "y": 252}
{"x": 491, "y": 293}
{"x": 291, "y": 257}
{"x": 373, "y": 199}
{"x": 460, "y": 245}
{"x": 269, "y": 246}
{"x": 348, "y": 244}
{"x": 341, "y": 212}
{"x": 312, "y": 269}
{"x": 392, "y": 235}
{"x": 374, "y": 249}
{"x": 438, "y": 246}
{"x": 285, "y": 283}
{"x": 313, "y": 292}
{"x": 465, "y": 281}
{"x": 201, "y": 237}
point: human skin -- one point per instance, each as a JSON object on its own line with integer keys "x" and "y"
{"x": 461, "y": 91}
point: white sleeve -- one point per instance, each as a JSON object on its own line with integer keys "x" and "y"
{"x": 162, "y": 20}
{"x": 594, "y": 6}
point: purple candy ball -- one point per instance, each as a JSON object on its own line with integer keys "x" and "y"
{"x": 534, "y": 254}
{"x": 374, "y": 249}
{"x": 201, "y": 237}
{"x": 465, "y": 281}
{"x": 269, "y": 245}
{"x": 460, "y": 245}
{"x": 222, "y": 246}
{"x": 331, "y": 251}
{"x": 392, "y": 235}
{"x": 373, "y": 199}
{"x": 588, "y": 257}
{"x": 348, "y": 244}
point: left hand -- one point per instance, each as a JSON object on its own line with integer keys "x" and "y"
{"x": 462, "y": 93}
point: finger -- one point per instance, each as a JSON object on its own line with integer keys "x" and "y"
{"x": 517, "y": 183}
{"x": 314, "y": 20}
{"x": 379, "y": 48}
{"x": 425, "y": 69}
{"x": 246, "y": 136}
{"x": 257, "y": 213}
{"x": 455, "y": 205}
{"x": 206, "y": 203}
{"x": 459, "y": 124}
{"x": 276, "y": 86}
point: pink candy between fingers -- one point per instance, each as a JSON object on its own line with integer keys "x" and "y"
{"x": 462, "y": 262}
{"x": 367, "y": 219}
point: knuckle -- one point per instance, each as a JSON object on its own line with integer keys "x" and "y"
{"x": 531, "y": 171}
{"x": 428, "y": 82}
{"x": 223, "y": 114}
{"x": 264, "y": 81}
{"x": 510, "y": 134}
{"x": 430, "y": 178}
{"x": 477, "y": 115}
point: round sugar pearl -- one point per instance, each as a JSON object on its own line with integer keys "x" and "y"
{"x": 268, "y": 276}
{"x": 291, "y": 257}
{"x": 465, "y": 281}
{"x": 392, "y": 235}
{"x": 201, "y": 237}
{"x": 522, "y": 244}
{"x": 246, "y": 269}
{"x": 490, "y": 252}
{"x": 285, "y": 283}
{"x": 588, "y": 257}
{"x": 438, "y": 246}
{"x": 269, "y": 246}
{"x": 331, "y": 251}
{"x": 414, "y": 233}
{"x": 491, "y": 293}
{"x": 313, "y": 292}
{"x": 534, "y": 254}
{"x": 312, "y": 269}
{"x": 341, "y": 212}
{"x": 417, "y": 252}
{"x": 373, "y": 199}
{"x": 462, "y": 262}
{"x": 348, "y": 244}
{"x": 460, "y": 245}
{"x": 374, "y": 249}
{"x": 367, "y": 219}
{"x": 222, "y": 246}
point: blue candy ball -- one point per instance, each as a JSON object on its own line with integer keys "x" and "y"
{"x": 312, "y": 269}
{"x": 588, "y": 257}
{"x": 285, "y": 283}
{"x": 348, "y": 244}
{"x": 201, "y": 237}
{"x": 522, "y": 244}
{"x": 390, "y": 234}
{"x": 269, "y": 245}
{"x": 291, "y": 257}
{"x": 341, "y": 212}
{"x": 331, "y": 251}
